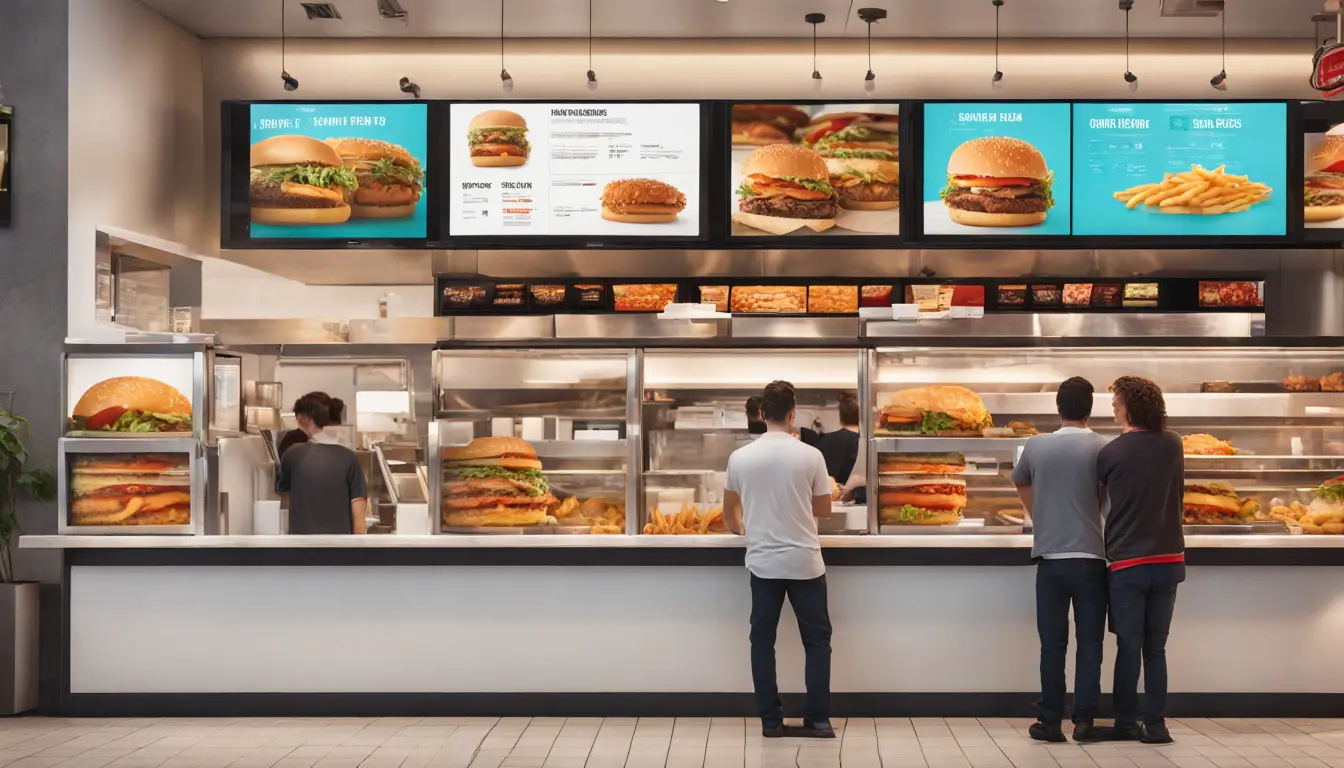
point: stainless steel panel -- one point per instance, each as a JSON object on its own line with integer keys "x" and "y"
{"x": 341, "y": 267}
{"x": 616, "y": 263}
{"x": 635, "y": 326}
{"x": 512, "y": 327}
{"x": 848, "y": 263}
{"x": 401, "y": 330}
{"x": 992, "y": 263}
{"x": 1099, "y": 325}
{"x": 236, "y": 333}
{"x": 797, "y": 328}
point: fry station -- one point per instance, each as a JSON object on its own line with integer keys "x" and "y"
{"x": 568, "y": 305}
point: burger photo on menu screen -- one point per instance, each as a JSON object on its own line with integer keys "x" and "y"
{"x": 641, "y": 201}
{"x": 865, "y": 184}
{"x": 997, "y": 181}
{"x": 134, "y": 489}
{"x": 788, "y": 182}
{"x": 860, "y": 134}
{"x": 132, "y": 404}
{"x": 766, "y": 123}
{"x": 1324, "y": 197}
{"x": 300, "y": 180}
{"x": 498, "y": 138}
{"x": 938, "y": 410}
{"x": 389, "y": 178}
{"x": 921, "y": 501}
{"x": 494, "y": 481}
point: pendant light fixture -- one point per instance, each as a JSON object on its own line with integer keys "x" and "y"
{"x": 291, "y": 83}
{"x": 998, "y": 73}
{"x": 1130, "y": 77}
{"x": 1219, "y": 81}
{"x": 869, "y": 17}
{"x": 814, "y": 19}
{"x": 592, "y": 76}
{"x": 504, "y": 76}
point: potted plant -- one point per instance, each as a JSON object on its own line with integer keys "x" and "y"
{"x": 18, "y": 601}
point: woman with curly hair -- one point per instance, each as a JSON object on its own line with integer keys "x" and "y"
{"x": 1143, "y": 473}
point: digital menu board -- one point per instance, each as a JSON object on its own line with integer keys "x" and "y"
{"x": 1198, "y": 169}
{"x": 1323, "y": 167}
{"x": 815, "y": 169}
{"x": 618, "y": 170}
{"x": 996, "y": 169}
{"x": 338, "y": 171}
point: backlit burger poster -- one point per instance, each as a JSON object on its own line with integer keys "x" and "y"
{"x": 347, "y": 171}
{"x": 810, "y": 169}
{"x": 996, "y": 168}
{"x": 576, "y": 169}
{"x": 1323, "y": 197}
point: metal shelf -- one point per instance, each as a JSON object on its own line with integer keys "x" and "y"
{"x": 1007, "y": 445}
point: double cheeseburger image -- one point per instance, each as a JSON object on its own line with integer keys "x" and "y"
{"x": 300, "y": 180}
{"x": 1324, "y": 198}
{"x": 131, "y": 404}
{"x": 997, "y": 181}
{"x": 788, "y": 182}
{"x": 641, "y": 201}
{"x": 494, "y": 482}
{"x": 390, "y": 179}
{"x": 498, "y": 138}
{"x": 934, "y": 411}
{"x": 135, "y": 489}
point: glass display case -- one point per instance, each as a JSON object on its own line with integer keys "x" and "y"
{"x": 569, "y": 420}
{"x": 694, "y": 417}
{"x": 1263, "y": 428}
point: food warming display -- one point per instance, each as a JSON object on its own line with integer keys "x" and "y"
{"x": 129, "y": 489}
{"x": 494, "y": 481}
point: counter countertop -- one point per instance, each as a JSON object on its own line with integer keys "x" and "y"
{"x": 504, "y": 541}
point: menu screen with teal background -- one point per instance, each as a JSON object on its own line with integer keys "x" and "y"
{"x": 1118, "y": 147}
{"x": 1045, "y": 126}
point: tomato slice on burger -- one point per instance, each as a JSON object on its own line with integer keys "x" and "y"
{"x": 105, "y": 418}
{"x": 830, "y": 126}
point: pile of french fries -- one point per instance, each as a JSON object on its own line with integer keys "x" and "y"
{"x": 687, "y": 522}
{"x": 1198, "y": 191}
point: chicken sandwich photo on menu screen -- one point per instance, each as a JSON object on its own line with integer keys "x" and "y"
{"x": 996, "y": 169}
{"x": 816, "y": 169}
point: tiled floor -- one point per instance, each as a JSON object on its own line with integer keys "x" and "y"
{"x": 643, "y": 743}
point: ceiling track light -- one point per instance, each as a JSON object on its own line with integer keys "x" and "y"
{"x": 1219, "y": 81}
{"x": 998, "y": 73}
{"x": 504, "y": 76}
{"x": 870, "y": 16}
{"x": 291, "y": 83}
{"x": 1130, "y": 77}
{"x": 409, "y": 88}
{"x": 592, "y": 76}
{"x": 814, "y": 19}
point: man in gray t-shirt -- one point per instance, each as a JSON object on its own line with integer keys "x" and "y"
{"x": 1056, "y": 478}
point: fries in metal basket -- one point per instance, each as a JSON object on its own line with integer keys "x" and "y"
{"x": 1199, "y": 191}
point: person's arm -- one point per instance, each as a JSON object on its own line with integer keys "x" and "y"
{"x": 732, "y": 512}
{"x": 855, "y": 482}
{"x": 1022, "y": 478}
{"x": 821, "y": 488}
{"x": 284, "y": 474}
{"x": 359, "y": 502}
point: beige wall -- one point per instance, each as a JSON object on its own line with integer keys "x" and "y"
{"x": 636, "y": 69}
{"x": 137, "y": 151}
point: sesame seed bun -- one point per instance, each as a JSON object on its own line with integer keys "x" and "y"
{"x": 294, "y": 150}
{"x": 497, "y": 118}
{"x": 778, "y": 160}
{"x": 998, "y": 157}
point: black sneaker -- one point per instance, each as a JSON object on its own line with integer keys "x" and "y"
{"x": 1043, "y": 731}
{"x": 1155, "y": 734}
{"x": 1086, "y": 732}
{"x": 1126, "y": 732}
{"x": 810, "y": 731}
{"x": 772, "y": 731}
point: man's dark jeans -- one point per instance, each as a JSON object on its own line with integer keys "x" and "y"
{"x": 1143, "y": 601}
{"x": 1059, "y": 583}
{"x": 808, "y": 599}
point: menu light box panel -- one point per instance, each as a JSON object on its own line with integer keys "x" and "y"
{"x": 1193, "y": 169}
{"x": 1323, "y": 166}
{"x": 579, "y": 170}
{"x": 996, "y": 169}
{"x": 338, "y": 171}
{"x": 815, "y": 169}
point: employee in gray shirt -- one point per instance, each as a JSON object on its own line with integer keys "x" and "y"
{"x": 1056, "y": 478}
{"x": 327, "y": 493}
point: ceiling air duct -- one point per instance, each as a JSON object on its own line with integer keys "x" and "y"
{"x": 1191, "y": 8}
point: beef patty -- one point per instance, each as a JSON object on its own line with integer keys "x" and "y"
{"x": 265, "y": 195}
{"x": 973, "y": 201}
{"x": 789, "y": 207}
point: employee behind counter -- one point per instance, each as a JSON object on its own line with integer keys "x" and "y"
{"x": 326, "y": 487}
{"x": 840, "y": 448}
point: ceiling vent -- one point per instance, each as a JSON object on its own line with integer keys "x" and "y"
{"x": 321, "y": 10}
{"x": 1191, "y": 8}
{"x": 391, "y": 10}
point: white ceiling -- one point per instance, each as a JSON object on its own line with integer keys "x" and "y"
{"x": 736, "y": 18}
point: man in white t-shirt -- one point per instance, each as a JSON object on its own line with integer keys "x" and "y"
{"x": 776, "y": 488}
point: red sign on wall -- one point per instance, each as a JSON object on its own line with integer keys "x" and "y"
{"x": 1328, "y": 75}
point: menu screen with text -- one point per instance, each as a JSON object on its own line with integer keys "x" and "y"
{"x": 575, "y": 170}
{"x": 1148, "y": 168}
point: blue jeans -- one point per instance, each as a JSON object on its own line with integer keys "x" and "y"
{"x": 1143, "y": 601}
{"x": 808, "y": 599}
{"x": 1059, "y": 583}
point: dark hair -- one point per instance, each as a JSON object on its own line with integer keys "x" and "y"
{"x": 1143, "y": 402}
{"x": 337, "y": 407}
{"x": 777, "y": 401}
{"x": 849, "y": 409}
{"x": 754, "y": 408}
{"x": 316, "y": 406}
{"x": 1074, "y": 399}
